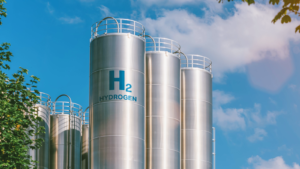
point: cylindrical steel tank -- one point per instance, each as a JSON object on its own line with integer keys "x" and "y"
{"x": 84, "y": 142}
{"x": 42, "y": 154}
{"x": 162, "y": 104}
{"x": 196, "y": 113}
{"x": 65, "y": 146}
{"x": 117, "y": 91}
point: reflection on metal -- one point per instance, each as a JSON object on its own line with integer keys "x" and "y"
{"x": 162, "y": 106}
{"x": 196, "y": 114}
{"x": 42, "y": 154}
{"x": 65, "y": 133}
{"x": 84, "y": 141}
{"x": 117, "y": 112}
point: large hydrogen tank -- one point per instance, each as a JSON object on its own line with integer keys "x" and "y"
{"x": 117, "y": 115}
{"x": 162, "y": 104}
{"x": 84, "y": 142}
{"x": 196, "y": 113}
{"x": 42, "y": 154}
{"x": 65, "y": 136}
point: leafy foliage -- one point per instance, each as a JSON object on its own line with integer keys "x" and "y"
{"x": 289, "y": 7}
{"x": 2, "y": 10}
{"x": 18, "y": 117}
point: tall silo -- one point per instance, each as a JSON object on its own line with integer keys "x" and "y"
{"x": 84, "y": 141}
{"x": 65, "y": 136}
{"x": 162, "y": 104}
{"x": 42, "y": 154}
{"x": 117, "y": 91}
{"x": 196, "y": 113}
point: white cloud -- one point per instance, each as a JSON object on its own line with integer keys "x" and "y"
{"x": 286, "y": 149}
{"x": 272, "y": 101}
{"x": 275, "y": 163}
{"x": 221, "y": 98}
{"x": 258, "y": 135}
{"x": 69, "y": 20}
{"x": 230, "y": 119}
{"x": 245, "y": 37}
{"x": 49, "y": 8}
{"x": 293, "y": 87}
{"x": 213, "y": 5}
{"x": 105, "y": 11}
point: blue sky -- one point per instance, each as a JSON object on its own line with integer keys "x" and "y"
{"x": 255, "y": 64}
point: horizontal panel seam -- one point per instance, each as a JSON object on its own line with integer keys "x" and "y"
{"x": 163, "y": 149}
{"x": 162, "y": 116}
{"x": 198, "y": 130}
{"x": 198, "y": 160}
{"x": 198, "y": 100}
{"x": 118, "y": 101}
{"x": 163, "y": 85}
{"x": 117, "y": 136}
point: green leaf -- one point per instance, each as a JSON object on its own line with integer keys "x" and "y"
{"x": 286, "y": 19}
{"x": 279, "y": 15}
{"x": 297, "y": 29}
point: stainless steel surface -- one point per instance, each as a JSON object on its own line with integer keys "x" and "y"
{"x": 42, "y": 154}
{"x": 117, "y": 116}
{"x": 162, "y": 110}
{"x": 65, "y": 136}
{"x": 85, "y": 146}
{"x": 196, "y": 118}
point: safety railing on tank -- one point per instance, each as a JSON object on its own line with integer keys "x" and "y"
{"x": 196, "y": 61}
{"x": 162, "y": 44}
{"x": 45, "y": 99}
{"x": 63, "y": 107}
{"x": 117, "y": 25}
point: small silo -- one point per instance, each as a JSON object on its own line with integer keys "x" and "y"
{"x": 65, "y": 136}
{"x": 84, "y": 141}
{"x": 42, "y": 154}
{"x": 162, "y": 104}
{"x": 117, "y": 91}
{"x": 196, "y": 113}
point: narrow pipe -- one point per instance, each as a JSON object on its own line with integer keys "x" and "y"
{"x": 214, "y": 153}
{"x": 84, "y": 114}
{"x": 187, "y": 65}
{"x": 108, "y": 18}
{"x": 152, "y": 40}
{"x": 70, "y": 111}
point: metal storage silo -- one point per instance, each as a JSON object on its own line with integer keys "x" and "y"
{"x": 117, "y": 113}
{"x": 65, "y": 136}
{"x": 42, "y": 154}
{"x": 196, "y": 113}
{"x": 84, "y": 142}
{"x": 162, "y": 104}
